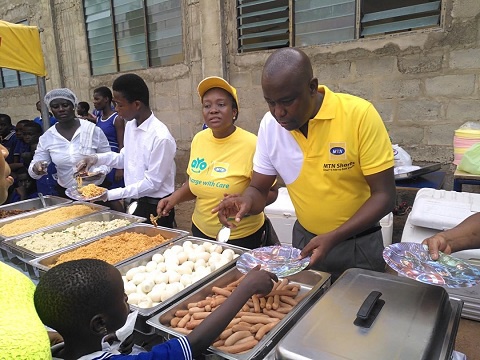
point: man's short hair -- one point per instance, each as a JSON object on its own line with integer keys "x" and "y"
{"x": 133, "y": 88}
{"x": 104, "y": 91}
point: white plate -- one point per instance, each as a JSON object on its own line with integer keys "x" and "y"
{"x": 73, "y": 193}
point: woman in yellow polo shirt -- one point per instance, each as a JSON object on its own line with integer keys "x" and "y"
{"x": 221, "y": 163}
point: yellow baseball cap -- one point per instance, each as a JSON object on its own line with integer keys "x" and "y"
{"x": 216, "y": 82}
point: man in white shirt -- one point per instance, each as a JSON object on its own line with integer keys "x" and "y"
{"x": 148, "y": 153}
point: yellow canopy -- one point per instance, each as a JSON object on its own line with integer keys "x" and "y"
{"x": 20, "y": 48}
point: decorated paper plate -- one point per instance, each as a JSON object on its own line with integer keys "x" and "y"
{"x": 74, "y": 194}
{"x": 280, "y": 260}
{"x": 413, "y": 260}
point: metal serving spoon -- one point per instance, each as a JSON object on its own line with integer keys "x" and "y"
{"x": 42, "y": 200}
{"x": 223, "y": 234}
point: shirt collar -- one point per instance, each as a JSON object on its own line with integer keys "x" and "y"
{"x": 329, "y": 104}
{"x": 146, "y": 124}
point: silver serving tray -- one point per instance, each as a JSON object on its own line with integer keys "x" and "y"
{"x": 44, "y": 263}
{"x": 32, "y": 214}
{"x": 144, "y": 314}
{"x": 312, "y": 282}
{"x": 109, "y": 215}
{"x": 34, "y": 204}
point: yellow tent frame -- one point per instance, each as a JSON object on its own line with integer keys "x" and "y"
{"x": 20, "y": 49}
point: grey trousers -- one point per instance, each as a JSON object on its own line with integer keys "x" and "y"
{"x": 362, "y": 252}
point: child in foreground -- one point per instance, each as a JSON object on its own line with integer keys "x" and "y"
{"x": 84, "y": 300}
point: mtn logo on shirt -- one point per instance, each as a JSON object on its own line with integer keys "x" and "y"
{"x": 337, "y": 151}
{"x": 220, "y": 169}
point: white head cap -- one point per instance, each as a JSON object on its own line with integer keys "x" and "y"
{"x": 62, "y": 93}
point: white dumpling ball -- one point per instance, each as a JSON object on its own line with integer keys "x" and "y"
{"x": 133, "y": 298}
{"x": 214, "y": 258}
{"x": 159, "y": 287}
{"x": 187, "y": 244}
{"x": 200, "y": 263}
{"x": 189, "y": 263}
{"x": 151, "y": 266}
{"x": 142, "y": 268}
{"x": 173, "y": 277}
{"x": 161, "y": 278}
{"x": 158, "y": 258}
{"x": 155, "y": 295}
{"x": 162, "y": 267}
{"x": 182, "y": 256}
{"x": 147, "y": 286}
{"x": 203, "y": 255}
{"x": 199, "y": 249}
{"x": 176, "y": 249}
{"x": 167, "y": 253}
{"x": 192, "y": 256}
{"x": 228, "y": 254}
{"x": 145, "y": 303}
{"x": 171, "y": 261}
{"x": 129, "y": 288}
{"x": 207, "y": 245}
{"x": 138, "y": 278}
{"x": 130, "y": 273}
{"x": 182, "y": 269}
{"x": 186, "y": 280}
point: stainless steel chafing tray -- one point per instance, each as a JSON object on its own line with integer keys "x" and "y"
{"x": 34, "y": 204}
{"x": 144, "y": 314}
{"x": 410, "y": 320}
{"x": 26, "y": 254}
{"x": 33, "y": 214}
{"x": 44, "y": 263}
{"x": 312, "y": 283}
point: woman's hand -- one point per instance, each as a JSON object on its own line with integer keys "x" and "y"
{"x": 165, "y": 205}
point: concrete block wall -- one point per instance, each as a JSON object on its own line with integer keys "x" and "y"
{"x": 424, "y": 83}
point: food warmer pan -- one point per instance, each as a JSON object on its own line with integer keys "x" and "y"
{"x": 32, "y": 214}
{"x": 109, "y": 215}
{"x": 371, "y": 315}
{"x": 145, "y": 314}
{"x": 32, "y": 205}
{"x": 44, "y": 263}
{"x": 312, "y": 285}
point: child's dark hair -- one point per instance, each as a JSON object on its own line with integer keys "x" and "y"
{"x": 85, "y": 105}
{"x": 133, "y": 88}
{"x": 71, "y": 293}
{"x": 24, "y": 121}
{"x": 6, "y": 117}
{"x": 104, "y": 91}
{"x": 37, "y": 128}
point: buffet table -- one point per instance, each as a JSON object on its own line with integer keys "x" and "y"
{"x": 316, "y": 299}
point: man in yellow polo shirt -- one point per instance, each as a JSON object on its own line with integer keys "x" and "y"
{"x": 334, "y": 154}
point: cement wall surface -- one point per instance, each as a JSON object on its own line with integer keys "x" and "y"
{"x": 424, "y": 83}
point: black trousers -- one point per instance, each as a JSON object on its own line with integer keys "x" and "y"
{"x": 148, "y": 206}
